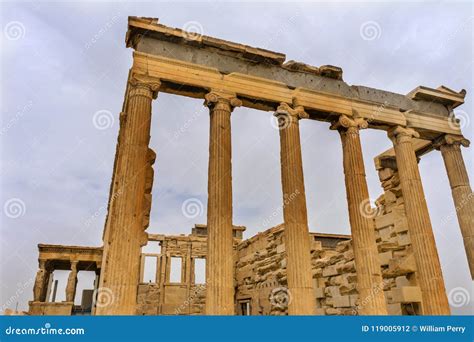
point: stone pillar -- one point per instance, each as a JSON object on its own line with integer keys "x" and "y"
{"x": 220, "y": 268}
{"x": 129, "y": 202}
{"x": 41, "y": 283}
{"x": 71, "y": 283}
{"x": 430, "y": 277}
{"x": 450, "y": 146}
{"x": 299, "y": 274}
{"x": 369, "y": 275}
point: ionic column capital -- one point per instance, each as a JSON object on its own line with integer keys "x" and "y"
{"x": 290, "y": 113}
{"x": 451, "y": 140}
{"x": 349, "y": 124}
{"x": 220, "y": 100}
{"x": 142, "y": 85}
{"x": 400, "y": 134}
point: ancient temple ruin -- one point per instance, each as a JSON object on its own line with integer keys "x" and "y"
{"x": 388, "y": 265}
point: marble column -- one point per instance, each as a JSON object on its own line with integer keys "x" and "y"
{"x": 450, "y": 146}
{"x": 430, "y": 277}
{"x": 71, "y": 283}
{"x": 41, "y": 283}
{"x": 220, "y": 268}
{"x": 369, "y": 274}
{"x": 299, "y": 273}
{"x": 128, "y": 205}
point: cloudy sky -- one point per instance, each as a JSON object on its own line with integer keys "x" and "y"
{"x": 64, "y": 65}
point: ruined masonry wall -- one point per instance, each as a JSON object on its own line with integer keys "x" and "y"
{"x": 261, "y": 265}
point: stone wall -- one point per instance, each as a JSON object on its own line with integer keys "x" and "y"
{"x": 261, "y": 264}
{"x": 261, "y": 270}
{"x": 394, "y": 245}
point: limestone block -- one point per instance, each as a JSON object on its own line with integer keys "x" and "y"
{"x": 386, "y": 233}
{"x": 402, "y": 266}
{"x": 349, "y": 255}
{"x": 385, "y": 174}
{"x": 354, "y": 298}
{"x": 329, "y": 271}
{"x": 406, "y": 294}
{"x": 390, "y": 197}
{"x": 384, "y": 220}
{"x": 341, "y": 301}
{"x": 319, "y": 292}
{"x": 343, "y": 246}
{"x": 333, "y": 311}
{"x": 385, "y": 257}
{"x": 320, "y": 312}
{"x": 402, "y": 281}
{"x": 401, "y": 225}
{"x": 348, "y": 289}
{"x": 394, "y": 309}
{"x": 280, "y": 249}
{"x": 348, "y": 267}
{"x": 332, "y": 291}
{"x": 404, "y": 239}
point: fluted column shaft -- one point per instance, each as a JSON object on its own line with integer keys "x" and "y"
{"x": 369, "y": 276}
{"x": 429, "y": 274}
{"x": 297, "y": 243}
{"x": 125, "y": 234}
{"x": 71, "y": 283}
{"x": 450, "y": 147}
{"x": 219, "y": 267}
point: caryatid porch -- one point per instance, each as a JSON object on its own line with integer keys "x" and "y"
{"x": 228, "y": 75}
